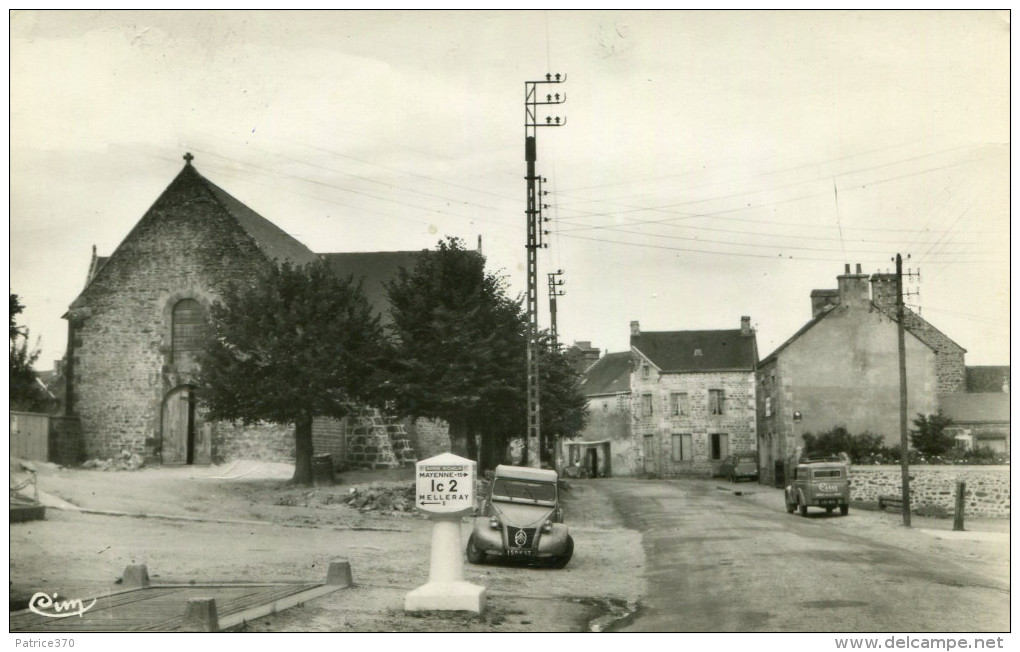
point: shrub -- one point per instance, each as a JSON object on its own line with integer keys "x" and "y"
{"x": 862, "y": 448}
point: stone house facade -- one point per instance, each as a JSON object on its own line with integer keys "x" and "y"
{"x": 606, "y": 385}
{"x": 842, "y": 369}
{"x": 692, "y": 398}
{"x": 135, "y": 330}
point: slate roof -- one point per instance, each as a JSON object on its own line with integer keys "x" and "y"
{"x": 976, "y": 408}
{"x": 374, "y": 269}
{"x": 986, "y": 378}
{"x": 721, "y": 350}
{"x": 610, "y": 375}
{"x": 274, "y": 242}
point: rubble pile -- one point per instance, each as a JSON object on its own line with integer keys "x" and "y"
{"x": 382, "y": 496}
{"x": 126, "y": 461}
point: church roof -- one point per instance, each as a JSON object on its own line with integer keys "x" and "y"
{"x": 374, "y": 269}
{"x": 274, "y": 242}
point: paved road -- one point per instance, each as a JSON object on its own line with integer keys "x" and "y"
{"x": 719, "y": 562}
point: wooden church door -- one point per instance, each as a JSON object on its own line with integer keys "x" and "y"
{"x": 179, "y": 427}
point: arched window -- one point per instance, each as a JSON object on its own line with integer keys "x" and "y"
{"x": 188, "y": 333}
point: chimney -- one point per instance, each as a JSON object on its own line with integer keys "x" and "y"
{"x": 853, "y": 288}
{"x": 745, "y": 326}
{"x": 883, "y": 290}
{"x": 822, "y": 299}
{"x": 635, "y": 329}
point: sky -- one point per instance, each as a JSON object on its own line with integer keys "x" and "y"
{"x": 712, "y": 164}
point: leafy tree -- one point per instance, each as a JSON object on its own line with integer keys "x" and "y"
{"x": 862, "y": 447}
{"x": 459, "y": 347}
{"x": 930, "y": 437}
{"x": 26, "y": 392}
{"x": 564, "y": 408}
{"x": 293, "y": 344}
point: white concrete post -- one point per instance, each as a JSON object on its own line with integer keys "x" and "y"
{"x": 444, "y": 490}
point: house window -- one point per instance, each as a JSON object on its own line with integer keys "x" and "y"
{"x": 720, "y": 446}
{"x": 645, "y": 371}
{"x": 682, "y": 447}
{"x": 188, "y": 331}
{"x": 768, "y": 406}
{"x": 678, "y": 405}
{"x": 715, "y": 401}
{"x": 646, "y": 405}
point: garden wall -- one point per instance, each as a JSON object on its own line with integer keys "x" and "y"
{"x": 934, "y": 487}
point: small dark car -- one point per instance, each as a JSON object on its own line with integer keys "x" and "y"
{"x": 521, "y": 519}
{"x": 740, "y": 466}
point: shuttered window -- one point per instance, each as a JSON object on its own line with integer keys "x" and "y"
{"x": 188, "y": 331}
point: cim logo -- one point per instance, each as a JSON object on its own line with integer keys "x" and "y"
{"x": 827, "y": 487}
{"x": 44, "y": 605}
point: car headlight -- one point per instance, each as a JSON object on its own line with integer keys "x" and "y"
{"x": 494, "y": 523}
{"x": 547, "y": 526}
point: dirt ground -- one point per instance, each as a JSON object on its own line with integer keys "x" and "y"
{"x": 244, "y": 521}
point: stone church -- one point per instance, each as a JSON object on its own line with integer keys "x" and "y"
{"x": 135, "y": 330}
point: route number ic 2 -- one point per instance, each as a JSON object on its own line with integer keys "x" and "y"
{"x": 445, "y": 485}
{"x": 437, "y": 487}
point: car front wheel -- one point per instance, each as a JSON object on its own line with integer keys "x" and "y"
{"x": 789, "y": 506}
{"x": 568, "y": 552}
{"x": 475, "y": 555}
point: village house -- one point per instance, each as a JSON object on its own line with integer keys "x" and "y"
{"x": 842, "y": 369}
{"x": 679, "y": 402}
{"x": 605, "y": 446}
{"x": 980, "y": 415}
{"x": 693, "y": 397}
{"x": 135, "y": 330}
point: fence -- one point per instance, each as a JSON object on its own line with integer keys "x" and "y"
{"x": 45, "y": 438}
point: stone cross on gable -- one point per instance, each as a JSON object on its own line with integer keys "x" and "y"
{"x": 188, "y": 158}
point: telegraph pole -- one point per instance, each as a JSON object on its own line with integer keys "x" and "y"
{"x": 904, "y": 465}
{"x": 534, "y": 242}
{"x": 554, "y": 291}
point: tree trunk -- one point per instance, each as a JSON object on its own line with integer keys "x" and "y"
{"x": 303, "y": 450}
{"x": 458, "y": 437}
{"x": 471, "y": 450}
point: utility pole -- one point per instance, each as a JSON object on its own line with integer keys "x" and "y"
{"x": 904, "y": 465}
{"x": 534, "y": 242}
{"x": 554, "y": 291}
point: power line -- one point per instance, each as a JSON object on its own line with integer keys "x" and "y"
{"x": 662, "y": 208}
{"x": 780, "y": 256}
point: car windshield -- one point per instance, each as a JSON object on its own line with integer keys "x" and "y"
{"x": 523, "y": 490}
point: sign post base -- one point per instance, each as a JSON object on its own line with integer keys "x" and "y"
{"x": 446, "y": 589}
{"x": 446, "y": 596}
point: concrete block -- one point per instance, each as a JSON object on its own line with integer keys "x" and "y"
{"x": 339, "y": 574}
{"x": 200, "y": 616}
{"x": 446, "y": 596}
{"x": 135, "y": 576}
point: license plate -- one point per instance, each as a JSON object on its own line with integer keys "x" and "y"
{"x": 827, "y": 502}
{"x": 515, "y": 552}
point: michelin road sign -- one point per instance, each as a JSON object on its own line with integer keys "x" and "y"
{"x": 445, "y": 485}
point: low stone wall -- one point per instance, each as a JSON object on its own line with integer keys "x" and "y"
{"x": 265, "y": 442}
{"x": 430, "y": 437}
{"x": 934, "y": 487}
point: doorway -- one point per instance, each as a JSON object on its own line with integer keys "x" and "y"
{"x": 180, "y": 444}
{"x": 649, "y": 454}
